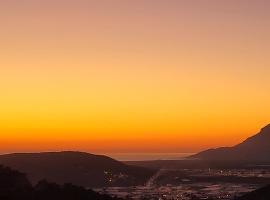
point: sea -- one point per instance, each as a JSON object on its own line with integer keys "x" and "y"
{"x": 147, "y": 156}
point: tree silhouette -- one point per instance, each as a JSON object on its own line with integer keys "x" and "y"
{"x": 14, "y": 185}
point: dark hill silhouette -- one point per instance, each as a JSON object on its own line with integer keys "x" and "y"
{"x": 79, "y": 168}
{"x": 260, "y": 194}
{"x": 15, "y": 186}
{"x": 255, "y": 148}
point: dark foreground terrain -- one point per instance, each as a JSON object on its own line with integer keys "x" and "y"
{"x": 15, "y": 186}
{"x": 260, "y": 194}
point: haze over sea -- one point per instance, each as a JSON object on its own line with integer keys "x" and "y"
{"x": 147, "y": 156}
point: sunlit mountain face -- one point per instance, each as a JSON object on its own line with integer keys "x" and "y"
{"x": 132, "y": 76}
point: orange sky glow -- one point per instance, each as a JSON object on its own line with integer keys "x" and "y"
{"x": 132, "y": 76}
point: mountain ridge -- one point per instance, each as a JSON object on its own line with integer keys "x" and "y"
{"x": 254, "y": 148}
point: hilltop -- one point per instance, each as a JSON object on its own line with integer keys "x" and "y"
{"x": 79, "y": 168}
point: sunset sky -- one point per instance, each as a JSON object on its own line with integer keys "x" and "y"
{"x": 132, "y": 75}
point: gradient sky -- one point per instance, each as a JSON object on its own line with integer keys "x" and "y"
{"x": 132, "y": 75}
